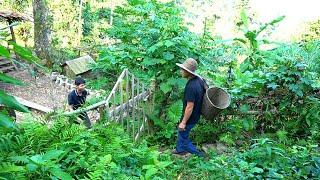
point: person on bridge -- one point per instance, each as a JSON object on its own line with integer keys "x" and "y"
{"x": 77, "y": 98}
{"x": 192, "y": 103}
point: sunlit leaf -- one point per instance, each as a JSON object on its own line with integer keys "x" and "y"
{"x": 57, "y": 172}
{"x": 11, "y": 102}
{"x": 244, "y": 18}
{"x": 5, "y": 121}
{"x": 168, "y": 56}
{"x": 4, "y": 52}
{"x": 7, "y": 79}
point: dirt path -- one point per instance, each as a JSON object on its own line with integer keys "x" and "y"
{"x": 40, "y": 90}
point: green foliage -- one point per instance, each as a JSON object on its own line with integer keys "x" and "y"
{"x": 150, "y": 38}
{"x": 7, "y": 101}
{"x": 264, "y": 159}
{"x": 312, "y": 31}
{"x": 279, "y": 85}
{"x": 67, "y": 151}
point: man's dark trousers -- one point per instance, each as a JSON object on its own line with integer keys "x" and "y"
{"x": 184, "y": 144}
{"x": 85, "y": 118}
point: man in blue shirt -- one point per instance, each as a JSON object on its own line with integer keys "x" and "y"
{"x": 192, "y": 103}
{"x": 77, "y": 98}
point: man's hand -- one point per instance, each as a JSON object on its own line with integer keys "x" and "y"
{"x": 187, "y": 114}
{"x": 182, "y": 126}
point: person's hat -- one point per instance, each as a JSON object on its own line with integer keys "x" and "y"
{"x": 189, "y": 65}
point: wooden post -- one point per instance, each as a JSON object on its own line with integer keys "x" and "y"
{"x": 133, "y": 104}
{"x": 144, "y": 111}
{"x": 111, "y": 13}
{"x": 114, "y": 105}
{"x": 80, "y": 25}
{"x": 127, "y": 99}
{"x": 107, "y": 107}
{"x": 121, "y": 103}
{"x": 11, "y": 30}
{"x": 102, "y": 113}
{"x": 138, "y": 103}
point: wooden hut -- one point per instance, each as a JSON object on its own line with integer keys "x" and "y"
{"x": 78, "y": 67}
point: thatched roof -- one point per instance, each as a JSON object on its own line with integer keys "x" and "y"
{"x": 13, "y": 16}
{"x": 80, "y": 65}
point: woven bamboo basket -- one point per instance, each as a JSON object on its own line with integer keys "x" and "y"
{"x": 214, "y": 101}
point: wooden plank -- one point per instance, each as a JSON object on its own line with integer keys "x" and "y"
{"x": 5, "y": 69}
{"x": 105, "y": 103}
{"x": 136, "y": 137}
{"x": 4, "y": 62}
{"x": 33, "y": 105}
{"x": 101, "y": 103}
{"x": 91, "y": 107}
{"x": 116, "y": 85}
{"x": 125, "y": 106}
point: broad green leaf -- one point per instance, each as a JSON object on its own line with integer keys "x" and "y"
{"x": 37, "y": 159}
{"x": 244, "y": 18}
{"x": 150, "y": 172}
{"x": 10, "y": 168}
{"x": 57, "y": 172}
{"x": 243, "y": 165}
{"x": 20, "y": 159}
{"x": 246, "y": 125}
{"x": 256, "y": 170}
{"x": 108, "y": 158}
{"x": 280, "y": 18}
{"x": 7, "y": 79}
{"x": 11, "y": 102}
{"x": 150, "y": 61}
{"x": 31, "y": 167}
{"x": 272, "y": 85}
{"x": 241, "y": 40}
{"x": 168, "y": 43}
{"x": 164, "y": 164}
{"x": 244, "y": 108}
{"x": 152, "y": 49}
{"x": 24, "y": 53}
{"x": 174, "y": 112}
{"x": 168, "y": 56}
{"x": 4, "y": 52}
{"x": 52, "y": 154}
{"x": 5, "y": 121}
{"x": 165, "y": 87}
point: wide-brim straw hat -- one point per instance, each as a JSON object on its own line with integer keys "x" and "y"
{"x": 189, "y": 65}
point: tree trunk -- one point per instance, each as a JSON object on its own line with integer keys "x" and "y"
{"x": 41, "y": 31}
{"x": 111, "y": 13}
{"x": 80, "y": 26}
{"x": 11, "y": 31}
